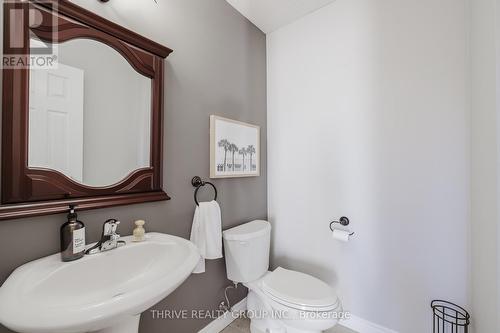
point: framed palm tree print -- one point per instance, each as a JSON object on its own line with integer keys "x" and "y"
{"x": 234, "y": 148}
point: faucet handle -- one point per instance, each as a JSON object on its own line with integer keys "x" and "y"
{"x": 110, "y": 226}
{"x": 109, "y": 240}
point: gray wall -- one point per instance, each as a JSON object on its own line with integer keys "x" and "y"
{"x": 218, "y": 67}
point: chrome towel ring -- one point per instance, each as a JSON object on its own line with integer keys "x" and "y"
{"x": 197, "y": 182}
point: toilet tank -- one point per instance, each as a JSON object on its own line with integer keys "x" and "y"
{"x": 247, "y": 251}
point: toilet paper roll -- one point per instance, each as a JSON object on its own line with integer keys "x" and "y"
{"x": 341, "y": 235}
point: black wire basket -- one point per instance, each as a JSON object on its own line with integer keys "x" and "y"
{"x": 449, "y": 318}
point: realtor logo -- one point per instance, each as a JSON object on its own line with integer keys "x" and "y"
{"x": 29, "y": 32}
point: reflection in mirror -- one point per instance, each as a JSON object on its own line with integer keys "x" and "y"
{"x": 90, "y": 117}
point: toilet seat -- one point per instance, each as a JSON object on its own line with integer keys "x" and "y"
{"x": 299, "y": 291}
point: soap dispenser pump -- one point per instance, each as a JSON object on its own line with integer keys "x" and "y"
{"x": 72, "y": 237}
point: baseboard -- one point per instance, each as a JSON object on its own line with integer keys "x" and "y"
{"x": 364, "y": 326}
{"x": 227, "y": 318}
{"x": 354, "y": 323}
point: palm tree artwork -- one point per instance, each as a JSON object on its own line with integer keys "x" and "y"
{"x": 225, "y": 145}
{"x": 251, "y": 152}
{"x": 243, "y": 152}
{"x": 233, "y": 149}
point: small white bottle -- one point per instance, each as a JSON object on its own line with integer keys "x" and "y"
{"x": 139, "y": 231}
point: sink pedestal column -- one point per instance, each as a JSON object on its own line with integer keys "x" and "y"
{"x": 128, "y": 325}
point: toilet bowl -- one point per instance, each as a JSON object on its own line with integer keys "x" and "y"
{"x": 279, "y": 301}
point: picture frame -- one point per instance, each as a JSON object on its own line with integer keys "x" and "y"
{"x": 234, "y": 148}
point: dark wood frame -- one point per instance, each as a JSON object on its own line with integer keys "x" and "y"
{"x": 38, "y": 191}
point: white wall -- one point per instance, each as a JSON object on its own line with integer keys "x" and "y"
{"x": 368, "y": 117}
{"x": 484, "y": 189}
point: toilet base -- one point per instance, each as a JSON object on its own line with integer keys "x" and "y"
{"x": 294, "y": 330}
{"x": 254, "y": 329}
{"x": 267, "y": 323}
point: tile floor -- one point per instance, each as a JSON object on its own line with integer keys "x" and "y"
{"x": 242, "y": 325}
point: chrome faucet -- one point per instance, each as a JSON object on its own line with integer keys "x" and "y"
{"x": 109, "y": 240}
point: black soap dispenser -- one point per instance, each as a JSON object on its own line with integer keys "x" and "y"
{"x": 72, "y": 237}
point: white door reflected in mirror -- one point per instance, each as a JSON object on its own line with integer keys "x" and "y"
{"x": 90, "y": 117}
{"x": 56, "y": 120}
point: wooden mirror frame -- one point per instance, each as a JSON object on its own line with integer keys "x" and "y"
{"x": 28, "y": 191}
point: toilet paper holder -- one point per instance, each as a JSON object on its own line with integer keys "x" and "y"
{"x": 344, "y": 221}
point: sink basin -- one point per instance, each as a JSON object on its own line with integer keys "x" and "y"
{"x": 105, "y": 292}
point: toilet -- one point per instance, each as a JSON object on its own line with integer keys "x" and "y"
{"x": 279, "y": 301}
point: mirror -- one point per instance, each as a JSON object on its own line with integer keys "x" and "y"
{"x": 88, "y": 130}
{"x": 90, "y": 116}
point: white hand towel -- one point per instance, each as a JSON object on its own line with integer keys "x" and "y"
{"x": 206, "y": 233}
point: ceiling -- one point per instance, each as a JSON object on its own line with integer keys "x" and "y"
{"x": 270, "y": 15}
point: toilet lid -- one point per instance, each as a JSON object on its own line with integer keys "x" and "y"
{"x": 299, "y": 290}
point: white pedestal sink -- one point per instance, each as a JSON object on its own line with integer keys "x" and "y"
{"x": 103, "y": 293}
